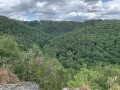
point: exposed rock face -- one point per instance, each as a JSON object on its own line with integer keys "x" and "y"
{"x": 84, "y": 88}
{"x": 20, "y": 86}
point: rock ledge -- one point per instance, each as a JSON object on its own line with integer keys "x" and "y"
{"x": 20, "y": 86}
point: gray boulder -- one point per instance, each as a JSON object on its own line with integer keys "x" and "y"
{"x": 20, "y": 86}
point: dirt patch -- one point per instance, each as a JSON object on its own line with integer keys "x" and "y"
{"x": 7, "y": 77}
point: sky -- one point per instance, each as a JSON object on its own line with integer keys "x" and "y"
{"x": 60, "y": 10}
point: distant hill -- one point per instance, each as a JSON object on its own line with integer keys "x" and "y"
{"x": 95, "y": 44}
{"x": 58, "y": 54}
{"x": 56, "y": 28}
{"x": 24, "y": 34}
{"x": 38, "y": 32}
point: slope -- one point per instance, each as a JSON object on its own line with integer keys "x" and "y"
{"x": 56, "y": 28}
{"x": 24, "y": 34}
{"x": 91, "y": 45}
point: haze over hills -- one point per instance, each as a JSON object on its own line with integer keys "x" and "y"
{"x": 47, "y": 51}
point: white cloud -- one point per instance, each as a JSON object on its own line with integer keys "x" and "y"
{"x": 97, "y": 7}
{"x": 111, "y": 10}
{"x": 79, "y": 16}
{"x": 8, "y": 4}
{"x": 112, "y": 7}
{"x": 18, "y": 16}
{"x": 41, "y": 4}
{"x": 60, "y": 9}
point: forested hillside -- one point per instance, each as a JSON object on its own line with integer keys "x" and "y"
{"x": 38, "y": 32}
{"x": 24, "y": 34}
{"x": 55, "y": 28}
{"x": 91, "y": 45}
{"x": 58, "y": 54}
{"x": 31, "y": 65}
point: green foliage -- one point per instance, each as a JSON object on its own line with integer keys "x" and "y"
{"x": 8, "y": 49}
{"x": 25, "y": 35}
{"x": 98, "y": 77}
{"x": 58, "y": 54}
{"x": 86, "y": 78}
{"x": 44, "y": 70}
{"x": 56, "y": 28}
{"x": 112, "y": 83}
{"x": 32, "y": 65}
{"x": 37, "y": 32}
{"x": 108, "y": 71}
{"x": 89, "y": 45}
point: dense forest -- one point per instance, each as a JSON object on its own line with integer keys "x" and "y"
{"x": 90, "y": 45}
{"x": 58, "y": 54}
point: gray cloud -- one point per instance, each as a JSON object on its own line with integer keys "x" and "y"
{"x": 91, "y": 0}
{"x": 58, "y": 9}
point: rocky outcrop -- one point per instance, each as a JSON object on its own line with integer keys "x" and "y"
{"x": 84, "y": 88}
{"x": 20, "y": 86}
{"x": 9, "y": 81}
